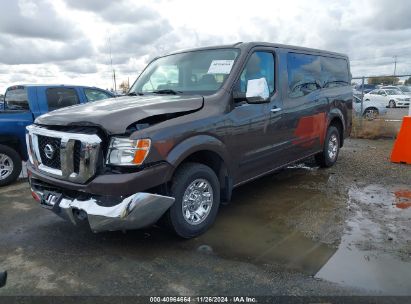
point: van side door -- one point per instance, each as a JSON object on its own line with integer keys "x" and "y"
{"x": 252, "y": 145}
{"x": 305, "y": 105}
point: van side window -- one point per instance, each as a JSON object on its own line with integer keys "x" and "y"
{"x": 308, "y": 73}
{"x": 259, "y": 65}
{"x": 61, "y": 97}
{"x": 303, "y": 74}
{"x": 334, "y": 72}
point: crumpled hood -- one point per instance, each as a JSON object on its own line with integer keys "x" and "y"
{"x": 115, "y": 114}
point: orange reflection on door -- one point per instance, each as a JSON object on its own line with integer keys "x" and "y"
{"x": 309, "y": 129}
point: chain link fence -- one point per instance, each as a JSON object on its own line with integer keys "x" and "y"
{"x": 380, "y": 114}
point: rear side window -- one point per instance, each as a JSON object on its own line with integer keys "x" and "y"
{"x": 94, "y": 95}
{"x": 61, "y": 97}
{"x": 308, "y": 73}
{"x": 16, "y": 99}
{"x": 304, "y": 74}
{"x": 334, "y": 72}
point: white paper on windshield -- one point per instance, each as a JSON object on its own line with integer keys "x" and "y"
{"x": 220, "y": 67}
{"x": 257, "y": 87}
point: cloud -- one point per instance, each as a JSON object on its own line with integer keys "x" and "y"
{"x": 90, "y": 5}
{"x": 16, "y": 51}
{"x": 79, "y": 67}
{"x": 67, "y": 40}
{"x": 389, "y": 15}
{"x": 35, "y": 19}
{"x": 117, "y": 12}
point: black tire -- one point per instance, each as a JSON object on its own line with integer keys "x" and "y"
{"x": 323, "y": 158}
{"x": 392, "y": 104}
{"x": 185, "y": 175}
{"x": 16, "y": 165}
{"x": 371, "y": 113}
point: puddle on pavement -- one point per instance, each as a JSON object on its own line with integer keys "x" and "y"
{"x": 365, "y": 258}
{"x": 252, "y": 229}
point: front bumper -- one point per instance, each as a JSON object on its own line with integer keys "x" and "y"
{"x": 136, "y": 211}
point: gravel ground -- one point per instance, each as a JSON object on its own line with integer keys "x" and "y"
{"x": 301, "y": 231}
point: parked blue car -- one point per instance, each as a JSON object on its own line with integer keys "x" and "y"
{"x": 22, "y": 105}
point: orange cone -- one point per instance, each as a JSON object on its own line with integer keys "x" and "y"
{"x": 402, "y": 146}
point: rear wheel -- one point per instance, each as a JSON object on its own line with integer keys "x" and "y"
{"x": 196, "y": 190}
{"x": 329, "y": 155}
{"x": 10, "y": 165}
{"x": 370, "y": 114}
{"x": 392, "y": 104}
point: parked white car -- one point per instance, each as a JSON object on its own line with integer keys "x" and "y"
{"x": 403, "y": 88}
{"x": 390, "y": 97}
{"x": 371, "y": 108}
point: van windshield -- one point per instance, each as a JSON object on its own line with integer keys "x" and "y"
{"x": 200, "y": 72}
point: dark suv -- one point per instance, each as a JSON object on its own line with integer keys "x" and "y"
{"x": 196, "y": 124}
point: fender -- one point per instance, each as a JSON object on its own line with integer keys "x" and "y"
{"x": 337, "y": 113}
{"x": 195, "y": 144}
{"x": 13, "y": 142}
{"x": 9, "y": 140}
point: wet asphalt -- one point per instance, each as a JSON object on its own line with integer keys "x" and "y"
{"x": 301, "y": 231}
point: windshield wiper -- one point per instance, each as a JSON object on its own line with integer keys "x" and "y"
{"x": 167, "y": 91}
{"x": 135, "y": 94}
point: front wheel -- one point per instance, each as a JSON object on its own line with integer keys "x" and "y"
{"x": 196, "y": 190}
{"x": 329, "y": 155}
{"x": 392, "y": 104}
{"x": 10, "y": 165}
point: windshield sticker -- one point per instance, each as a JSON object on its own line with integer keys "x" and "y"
{"x": 220, "y": 67}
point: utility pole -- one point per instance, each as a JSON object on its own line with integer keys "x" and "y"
{"x": 395, "y": 64}
{"x": 111, "y": 63}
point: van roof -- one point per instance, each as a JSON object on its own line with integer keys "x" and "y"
{"x": 248, "y": 45}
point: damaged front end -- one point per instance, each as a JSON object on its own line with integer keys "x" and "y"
{"x": 134, "y": 212}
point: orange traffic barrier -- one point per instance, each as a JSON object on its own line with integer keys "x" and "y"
{"x": 402, "y": 146}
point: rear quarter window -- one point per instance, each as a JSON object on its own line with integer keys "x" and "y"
{"x": 58, "y": 98}
{"x": 16, "y": 99}
{"x": 308, "y": 73}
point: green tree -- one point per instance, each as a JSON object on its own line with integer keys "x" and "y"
{"x": 408, "y": 81}
{"x": 385, "y": 80}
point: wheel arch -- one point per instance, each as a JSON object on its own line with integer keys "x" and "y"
{"x": 337, "y": 120}
{"x": 207, "y": 150}
{"x": 12, "y": 142}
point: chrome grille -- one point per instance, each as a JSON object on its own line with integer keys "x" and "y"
{"x": 52, "y": 161}
{"x": 75, "y": 156}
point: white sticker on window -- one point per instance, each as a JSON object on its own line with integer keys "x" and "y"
{"x": 220, "y": 67}
{"x": 257, "y": 88}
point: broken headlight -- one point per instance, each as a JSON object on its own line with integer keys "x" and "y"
{"x": 128, "y": 152}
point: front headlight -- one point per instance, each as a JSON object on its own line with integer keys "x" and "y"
{"x": 128, "y": 152}
{"x": 401, "y": 99}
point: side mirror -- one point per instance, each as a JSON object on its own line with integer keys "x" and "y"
{"x": 257, "y": 91}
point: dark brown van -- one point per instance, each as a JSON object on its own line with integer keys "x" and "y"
{"x": 195, "y": 125}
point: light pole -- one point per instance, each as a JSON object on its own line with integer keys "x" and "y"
{"x": 395, "y": 64}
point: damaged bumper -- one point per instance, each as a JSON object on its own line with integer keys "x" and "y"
{"x": 136, "y": 211}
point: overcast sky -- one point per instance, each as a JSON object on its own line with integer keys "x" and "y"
{"x": 67, "y": 41}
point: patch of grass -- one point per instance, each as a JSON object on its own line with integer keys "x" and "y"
{"x": 374, "y": 129}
